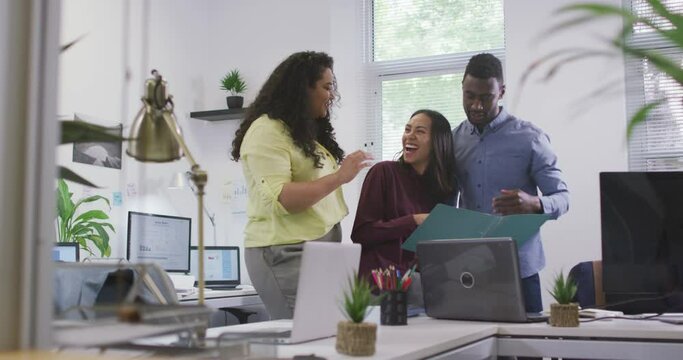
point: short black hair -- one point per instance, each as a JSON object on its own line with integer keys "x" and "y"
{"x": 484, "y": 66}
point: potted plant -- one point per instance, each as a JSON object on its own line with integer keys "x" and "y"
{"x": 234, "y": 83}
{"x": 85, "y": 227}
{"x": 355, "y": 337}
{"x": 564, "y": 313}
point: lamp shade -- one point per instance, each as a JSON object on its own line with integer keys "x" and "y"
{"x": 178, "y": 181}
{"x": 152, "y": 135}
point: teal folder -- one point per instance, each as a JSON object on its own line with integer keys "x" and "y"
{"x": 447, "y": 222}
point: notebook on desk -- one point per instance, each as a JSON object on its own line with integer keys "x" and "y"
{"x": 221, "y": 266}
{"x": 473, "y": 279}
{"x": 323, "y": 277}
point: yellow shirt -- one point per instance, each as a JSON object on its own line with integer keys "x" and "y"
{"x": 269, "y": 161}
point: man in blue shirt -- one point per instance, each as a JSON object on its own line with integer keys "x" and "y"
{"x": 503, "y": 162}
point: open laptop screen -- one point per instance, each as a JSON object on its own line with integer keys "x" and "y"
{"x": 221, "y": 265}
{"x": 67, "y": 252}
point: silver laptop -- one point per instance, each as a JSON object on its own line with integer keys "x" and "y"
{"x": 324, "y": 276}
{"x": 472, "y": 279}
{"x": 221, "y": 267}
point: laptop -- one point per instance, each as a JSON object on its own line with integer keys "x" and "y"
{"x": 66, "y": 252}
{"x": 473, "y": 279}
{"x": 323, "y": 277}
{"x": 221, "y": 266}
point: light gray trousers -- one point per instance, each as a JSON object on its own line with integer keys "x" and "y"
{"x": 274, "y": 272}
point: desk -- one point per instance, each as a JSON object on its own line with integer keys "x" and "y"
{"x": 444, "y": 339}
{"x": 224, "y": 298}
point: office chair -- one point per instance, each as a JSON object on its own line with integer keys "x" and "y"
{"x": 588, "y": 276}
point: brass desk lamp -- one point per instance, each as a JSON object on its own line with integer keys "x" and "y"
{"x": 156, "y": 137}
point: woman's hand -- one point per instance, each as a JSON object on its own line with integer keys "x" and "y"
{"x": 420, "y": 218}
{"x": 352, "y": 165}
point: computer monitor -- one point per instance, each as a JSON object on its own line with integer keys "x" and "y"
{"x": 159, "y": 238}
{"x": 221, "y": 266}
{"x": 642, "y": 240}
{"x": 66, "y": 252}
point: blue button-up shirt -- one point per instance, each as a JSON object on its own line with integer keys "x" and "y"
{"x": 509, "y": 154}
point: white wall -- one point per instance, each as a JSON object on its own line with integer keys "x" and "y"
{"x": 588, "y": 135}
{"x": 194, "y": 44}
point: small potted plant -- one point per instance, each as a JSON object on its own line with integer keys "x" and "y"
{"x": 234, "y": 83}
{"x": 564, "y": 313}
{"x": 355, "y": 337}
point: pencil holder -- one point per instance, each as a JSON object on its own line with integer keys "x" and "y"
{"x": 394, "y": 308}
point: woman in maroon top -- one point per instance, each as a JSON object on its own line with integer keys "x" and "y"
{"x": 398, "y": 195}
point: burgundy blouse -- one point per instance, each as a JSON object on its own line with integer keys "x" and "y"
{"x": 391, "y": 194}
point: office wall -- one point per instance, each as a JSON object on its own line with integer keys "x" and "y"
{"x": 194, "y": 44}
{"x": 587, "y": 132}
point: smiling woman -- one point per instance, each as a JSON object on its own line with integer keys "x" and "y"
{"x": 398, "y": 195}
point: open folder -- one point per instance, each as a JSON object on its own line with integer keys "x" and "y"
{"x": 447, "y": 222}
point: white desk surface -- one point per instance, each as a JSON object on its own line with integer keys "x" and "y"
{"x": 602, "y": 329}
{"x": 424, "y": 336}
{"x": 223, "y": 298}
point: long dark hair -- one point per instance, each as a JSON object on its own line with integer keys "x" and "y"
{"x": 441, "y": 168}
{"x": 285, "y": 97}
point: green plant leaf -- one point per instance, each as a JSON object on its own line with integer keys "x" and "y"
{"x": 67, "y": 174}
{"x": 564, "y": 289}
{"x": 357, "y": 299}
{"x": 233, "y": 82}
{"x": 641, "y": 115}
{"x": 89, "y": 215}
{"x": 92, "y": 199}
{"x": 80, "y": 131}
{"x": 659, "y": 8}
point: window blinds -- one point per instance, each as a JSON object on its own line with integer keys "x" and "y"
{"x": 656, "y": 145}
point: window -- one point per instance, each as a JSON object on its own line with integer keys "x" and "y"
{"x": 416, "y": 52}
{"x": 656, "y": 145}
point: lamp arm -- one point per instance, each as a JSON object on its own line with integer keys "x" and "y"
{"x": 199, "y": 178}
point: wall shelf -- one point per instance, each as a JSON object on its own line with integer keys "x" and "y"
{"x": 218, "y": 115}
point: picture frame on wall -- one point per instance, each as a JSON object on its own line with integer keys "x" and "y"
{"x": 105, "y": 154}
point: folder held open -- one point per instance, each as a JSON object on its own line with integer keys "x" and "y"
{"x": 447, "y": 222}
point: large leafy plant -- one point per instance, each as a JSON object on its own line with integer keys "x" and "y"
{"x": 84, "y": 228}
{"x": 669, "y": 28}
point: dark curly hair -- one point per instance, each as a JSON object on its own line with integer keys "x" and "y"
{"x": 285, "y": 97}
{"x": 484, "y": 66}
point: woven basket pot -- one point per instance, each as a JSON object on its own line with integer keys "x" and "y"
{"x": 356, "y": 339}
{"x": 564, "y": 315}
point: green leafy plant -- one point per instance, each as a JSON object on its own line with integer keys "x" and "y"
{"x": 564, "y": 289}
{"x": 82, "y": 227}
{"x": 670, "y": 29}
{"x": 358, "y": 299}
{"x": 234, "y": 83}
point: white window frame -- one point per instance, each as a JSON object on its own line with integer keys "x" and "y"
{"x": 378, "y": 71}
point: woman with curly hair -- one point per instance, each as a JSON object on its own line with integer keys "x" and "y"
{"x": 294, "y": 170}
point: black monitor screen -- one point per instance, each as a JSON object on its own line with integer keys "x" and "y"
{"x": 642, "y": 234}
{"x": 159, "y": 238}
